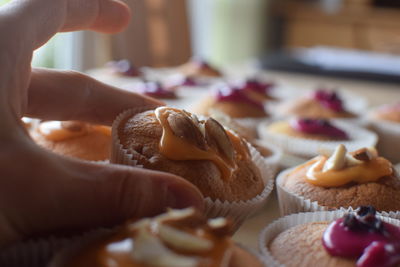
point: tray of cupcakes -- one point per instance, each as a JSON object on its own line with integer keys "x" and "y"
{"x": 238, "y": 141}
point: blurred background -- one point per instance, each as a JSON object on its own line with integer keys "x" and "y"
{"x": 339, "y": 37}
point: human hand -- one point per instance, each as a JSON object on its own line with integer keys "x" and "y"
{"x": 42, "y": 193}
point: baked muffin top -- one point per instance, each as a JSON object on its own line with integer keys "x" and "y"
{"x": 214, "y": 159}
{"x": 343, "y": 180}
{"x": 176, "y": 238}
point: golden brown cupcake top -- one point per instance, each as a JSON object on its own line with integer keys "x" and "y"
{"x": 341, "y": 168}
{"x": 176, "y": 238}
{"x": 201, "y": 151}
{"x": 63, "y": 130}
{"x": 187, "y": 138}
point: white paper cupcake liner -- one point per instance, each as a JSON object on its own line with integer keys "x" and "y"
{"x": 274, "y": 229}
{"x": 292, "y": 203}
{"x": 389, "y": 136}
{"x": 308, "y": 148}
{"x": 238, "y": 211}
{"x": 273, "y": 161}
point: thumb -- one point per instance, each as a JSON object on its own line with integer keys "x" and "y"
{"x": 68, "y": 195}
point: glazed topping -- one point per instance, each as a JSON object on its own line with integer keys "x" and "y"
{"x": 63, "y": 130}
{"x": 124, "y": 67}
{"x": 255, "y": 85}
{"x": 154, "y": 89}
{"x": 364, "y": 236}
{"x": 329, "y": 99}
{"x": 177, "y": 238}
{"x": 232, "y": 94}
{"x": 341, "y": 168}
{"x": 319, "y": 127}
{"x": 184, "y": 137}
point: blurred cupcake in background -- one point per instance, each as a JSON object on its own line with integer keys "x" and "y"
{"x": 75, "y": 139}
{"x": 304, "y": 138}
{"x": 385, "y": 121}
{"x": 153, "y": 89}
{"x": 199, "y": 68}
{"x": 320, "y": 104}
{"x": 124, "y": 68}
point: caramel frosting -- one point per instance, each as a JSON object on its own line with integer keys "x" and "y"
{"x": 341, "y": 168}
{"x": 177, "y": 238}
{"x": 63, "y": 130}
{"x": 184, "y": 137}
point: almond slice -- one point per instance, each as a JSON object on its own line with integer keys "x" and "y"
{"x": 337, "y": 160}
{"x": 217, "y": 138}
{"x": 183, "y": 240}
{"x": 220, "y": 226}
{"x": 148, "y": 249}
{"x": 184, "y": 127}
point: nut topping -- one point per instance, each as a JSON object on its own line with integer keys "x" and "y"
{"x": 363, "y": 154}
{"x": 220, "y": 226}
{"x": 185, "y": 128}
{"x": 182, "y": 240}
{"x": 338, "y": 159}
{"x": 217, "y": 138}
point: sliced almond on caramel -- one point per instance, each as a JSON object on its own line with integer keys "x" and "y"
{"x": 220, "y": 226}
{"x": 337, "y": 160}
{"x": 183, "y": 241}
{"x": 184, "y": 127}
{"x": 217, "y": 138}
{"x": 363, "y": 154}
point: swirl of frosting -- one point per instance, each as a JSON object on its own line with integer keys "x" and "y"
{"x": 318, "y": 126}
{"x": 342, "y": 168}
{"x": 364, "y": 236}
{"x": 329, "y": 99}
{"x": 229, "y": 93}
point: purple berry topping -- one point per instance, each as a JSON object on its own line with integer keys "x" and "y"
{"x": 364, "y": 236}
{"x": 318, "y": 126}
{"x": 329, "y": 99}
{"x": 255, "y": 85}
{"x": 154, "y": 89}
{"x": 226, "y": 92}
{"x": 124, "y": 67}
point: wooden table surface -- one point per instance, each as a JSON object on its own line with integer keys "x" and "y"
{"x": 376, "y": 93}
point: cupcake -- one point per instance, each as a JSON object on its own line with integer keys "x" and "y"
{"x": 214, "y": 159}
{"x": 385, "y": 121}
{"x": 154, "y": 89}
{"x": 232, "y": 101}
{"x": 305, "y": 137}
{"x": 199, "y": 68}
{"x": 257, "y": 90}
{"x": 73, "y": 138}
{"x": 177, "y": 238}
{"x": 320, "y": 104}
{"x": 123, "y": 68}
{"x": 340, "y": 180}
{"x": 356, "y": 238}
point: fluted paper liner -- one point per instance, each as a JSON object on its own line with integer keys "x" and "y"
{"x": 389, "y": 136}
{"x": 273, "y": 161}
{"x": 238, "y": 211}
{"x": 293, "y": 203}
{"x": 359, "y": 137}
{"x": 283, "y": 224}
